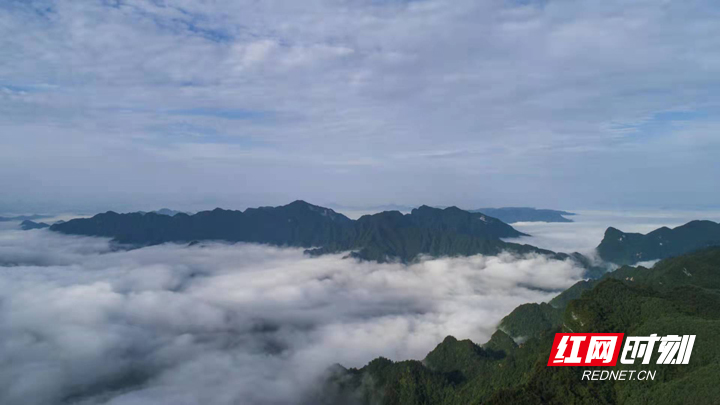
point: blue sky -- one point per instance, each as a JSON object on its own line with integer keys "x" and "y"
{"x": 192, "y": 104}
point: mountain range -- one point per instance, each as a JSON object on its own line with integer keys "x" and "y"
{"x": 385, "y": 236}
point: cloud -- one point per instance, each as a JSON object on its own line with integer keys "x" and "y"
{"x": 218, "y": 323}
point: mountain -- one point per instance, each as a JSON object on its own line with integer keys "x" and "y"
{"x": 161, "y": 211}
{"x": 374, "y": 208}
{"x": 167, "y": 211}
{"x": 678, "y": 296}
{"x": 385, "y": 236}
{"x": 23, "y": 218}
{"x": 627, "y": 248}
{"x": 431, "y": 231}
{"x": 296, "y": 224}
{"x": 525, "y": 214}
{"x": 27, "y": 225}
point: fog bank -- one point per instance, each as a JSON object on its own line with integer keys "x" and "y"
{"x": 223, "y": 324}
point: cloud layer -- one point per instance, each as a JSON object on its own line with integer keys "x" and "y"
{"x": 244, "y": 103}
{"x": 225, "y": 324}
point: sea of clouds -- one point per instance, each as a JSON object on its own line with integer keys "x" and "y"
{"x": 220, "y": 323}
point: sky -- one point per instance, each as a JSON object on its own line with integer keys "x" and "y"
{"x": 195, "y": 104}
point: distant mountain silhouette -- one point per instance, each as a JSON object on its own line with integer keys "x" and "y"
{"x": 627, "y": 248}
{"x": 28, "y": 225}
{"x": 162, "y": 211}
{"x": 525, "y": 214}
{"x": 384, "y": 236}
{"x": 167, "y": 211}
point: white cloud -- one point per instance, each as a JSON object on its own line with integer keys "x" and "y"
{"x": 255, "y": 52}
{"x": 225, "y": 323}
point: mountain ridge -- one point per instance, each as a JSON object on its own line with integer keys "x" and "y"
{"x": 385, "y": 236}
{"x": 626, "y": 248}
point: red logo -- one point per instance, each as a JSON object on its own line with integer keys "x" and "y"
{"x": 585, "y": 349}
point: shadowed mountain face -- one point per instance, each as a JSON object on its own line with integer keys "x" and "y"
{"x": 678, "y": 296}
{"x": 525, "y": 214}
{"x": 627, "y": 248}
{"x": 385, "y": 236}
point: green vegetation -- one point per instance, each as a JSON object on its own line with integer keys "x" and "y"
{"x": 529, "y": 320}
{"x": 678, "y": 296}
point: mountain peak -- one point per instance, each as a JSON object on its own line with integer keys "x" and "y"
{"x": 425, "y": 209}
{"x": 300, "y": 203}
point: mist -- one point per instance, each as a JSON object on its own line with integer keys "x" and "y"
{"x": 585, "y": 233}
{"x": 231, "y": 323}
